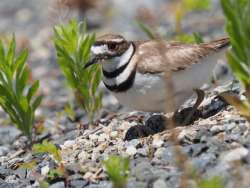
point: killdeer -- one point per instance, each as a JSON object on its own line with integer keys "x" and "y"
{"x": 134, "y": 71}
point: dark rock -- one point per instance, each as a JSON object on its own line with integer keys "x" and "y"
{"x": 153, "y": 125}
{"x": 138, "y": 131}
{"x": 217, "y": 104}
{"x": 157, "y": 123}
{"x": 187, "y": 116}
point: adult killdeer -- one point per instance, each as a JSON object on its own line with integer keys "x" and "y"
{"x": 134, "y": 71}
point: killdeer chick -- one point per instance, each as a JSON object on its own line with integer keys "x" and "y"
{"x": 134, "y": 71}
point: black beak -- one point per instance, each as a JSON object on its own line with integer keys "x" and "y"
{"x": 93, "y": 60}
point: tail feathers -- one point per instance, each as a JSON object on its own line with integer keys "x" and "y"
{"x": 218, "y": 44}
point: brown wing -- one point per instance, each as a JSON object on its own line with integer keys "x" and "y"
{"x": 159, "y": 56}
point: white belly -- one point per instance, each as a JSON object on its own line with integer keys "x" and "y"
{"x": 147, "y": 94}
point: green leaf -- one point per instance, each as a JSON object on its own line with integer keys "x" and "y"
{"x": 21, "y": 81}
{"x": 20, "y": 60}
{"x": 32, "y": 90}
{"x": 47, "y": 147}
{"x": 146, "y": 30}
{"x": 196, "y": 4}
{"x": 198, "y": 38}
{"x": 185, "y": 38}
{"x": 2, "y": 53}
{"x": 215, "y": 182}
{"x": 43, "y": 184}
{"x": 11, "y": 51}
{"x": 37, "y": 102}
{"x": 28, "y": 165}
{"x": 117, "y": 169}
{"x": 24, "y": 104}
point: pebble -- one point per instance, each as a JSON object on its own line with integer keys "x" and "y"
{"x": 45, "y": 170}
{"x": 159, "y": 184}
{"x": 114, "y": 134}
{"x": 165, "y": 154}
{"x": 83, "y": 156}
{"x": 93, "y": 137}
{"x": 57, "y": 185}
{"x": 69, "y": 143}
{"x": 216, "y": 129}
{"x": 234, "y": 155}
{"x": 77, "y": 183}
{"x": 143, "y": 171}
{"x": 103, "y": 137}
{"x": 157, "y": 143}
{"x": 131, "y": 150}
{"x": 3, "y": 150}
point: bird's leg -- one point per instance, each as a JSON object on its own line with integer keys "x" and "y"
{"x": 200, "y": 97}
{"x": 189, "y": 115}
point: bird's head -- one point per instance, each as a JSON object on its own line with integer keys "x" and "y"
{"x": 107, "y": 47}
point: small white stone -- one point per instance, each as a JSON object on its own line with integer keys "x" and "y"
{"x": 113, "y": 134}
{"x": 69, "y": 143}
{"x": 88, "y": 175}
{"x": 131, "y": 150}
{"x": 83, "y": 156}
{"x": 159, "y": 184}
{"x": 93, "y": 137}
{"x": 45, "y": 170}
{"x": 103, "y": 137}
{"x": 159, "y": 152}
{"x": 157, "y": 143}
{"x": 234, "y": 155}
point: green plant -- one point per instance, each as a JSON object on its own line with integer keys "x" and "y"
{"x": 214, "y": 182}
{"x": 48, "y": 147}
{"x": 117, "y": 169}
{"x": 237, "y": 13}
{"x": 73, "y": 51}
{"x": 18, "y": 97}
{"x": 186, "y": 38}
{"x": 150, "y": 34}
{"x": 183, "y": 7}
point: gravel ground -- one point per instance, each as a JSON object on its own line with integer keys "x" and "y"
{"x": 215, "y": 144}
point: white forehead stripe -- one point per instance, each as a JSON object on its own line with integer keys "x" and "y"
{"x": 117, "y": 40}
{"x": 99, "y": 49}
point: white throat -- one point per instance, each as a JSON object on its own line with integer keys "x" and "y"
{"x": 118, "y": 62}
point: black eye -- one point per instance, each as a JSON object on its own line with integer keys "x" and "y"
{"x": 112, "y": 46}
